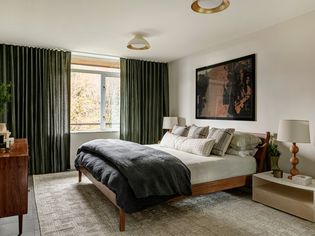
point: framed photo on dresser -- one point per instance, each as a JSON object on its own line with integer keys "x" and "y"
{"x": 227, "y": 91}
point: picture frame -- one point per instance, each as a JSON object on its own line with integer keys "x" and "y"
{"x": 227, "y": 90}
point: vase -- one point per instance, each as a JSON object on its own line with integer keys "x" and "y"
{"x": 274, "y": 163}
{"x": 3, "y": 127}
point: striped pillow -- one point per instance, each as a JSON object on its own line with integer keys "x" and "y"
{"x": 222, "y": 138}
{"x": 198, "y": 132}
{"x": 196, "y": 146}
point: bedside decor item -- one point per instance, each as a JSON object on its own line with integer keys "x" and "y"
{"x": 277, "y": 173}
{"x": 138, "y": 43}
{"x": 5, "y": 95}
{"x": 273, "y": 154}
{"x": 169, "y": 123}
{"x": 209, "y": 6}
{"x": 226, "y": 91}
{"x": 294, "y": 131}
{"x": 302, "y": 180}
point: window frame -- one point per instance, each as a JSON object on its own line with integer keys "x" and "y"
{"x": 103, "y": 75}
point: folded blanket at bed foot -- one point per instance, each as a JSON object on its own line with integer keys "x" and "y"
{"x": 139, "y": 175}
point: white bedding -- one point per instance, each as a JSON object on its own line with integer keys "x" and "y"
{"x": 204, "y": 169}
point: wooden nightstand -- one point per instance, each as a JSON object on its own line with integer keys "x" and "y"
{"x": 13, "y": 181}
{"x": 283, "y": 194}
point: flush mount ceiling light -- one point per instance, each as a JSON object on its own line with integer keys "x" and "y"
{"x": 209, "y": 6}
{"x": 138, "y": 43}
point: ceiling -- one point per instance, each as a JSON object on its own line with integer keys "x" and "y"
{"x": 105, "y": 26}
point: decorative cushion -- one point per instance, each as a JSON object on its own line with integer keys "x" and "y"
{"x": 242, "y": 153}
{"x": 223, "y": 138}
{"x": 197, "y": 146}
{"x": 168, "y": 140}
{"x": 180, "y": 130}
{"x": 198, "y": 132}
{"x": 244, "y": 141}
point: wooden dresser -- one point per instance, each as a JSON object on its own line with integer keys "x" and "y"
{"x": 14, "y": 181}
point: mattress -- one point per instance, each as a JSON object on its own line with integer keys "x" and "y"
{"x": 205, "y": 169}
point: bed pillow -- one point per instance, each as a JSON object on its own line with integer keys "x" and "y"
{"x": 201, "y": 147}
{"x": 242, "y": 153}
{"x": 180, "y": 130}
{"x": 222, "y": 138}
{"x": 244, "y": 141}
{"x": 169, "y": 140}
{"x": 198, "y": 132}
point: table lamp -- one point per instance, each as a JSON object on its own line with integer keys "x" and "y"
{"x": 294, "y": 131}
{"x": 169, "y": 122}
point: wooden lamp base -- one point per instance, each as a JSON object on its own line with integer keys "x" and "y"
{"x": 294, "y": 161}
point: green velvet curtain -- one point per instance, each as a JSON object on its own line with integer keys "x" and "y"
{"x": 40, "y": 104}
{"x": 144, "y": 100}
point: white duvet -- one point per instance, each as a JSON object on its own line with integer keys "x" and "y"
{"x": 204, "y": 169}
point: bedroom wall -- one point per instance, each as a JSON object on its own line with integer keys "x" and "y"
{"x": 78, "y": 138}
{"x": 285, "y": 81}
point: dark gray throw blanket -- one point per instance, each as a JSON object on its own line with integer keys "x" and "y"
{"x": 149, "y": 172}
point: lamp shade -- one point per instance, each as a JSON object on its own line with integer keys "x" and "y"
{"x": 169, "y": 122}
{"x": 294, "y": 131}
{"x": 138, "y": 43}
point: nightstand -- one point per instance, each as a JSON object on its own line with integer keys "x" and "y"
{"x": 283, "y": 194}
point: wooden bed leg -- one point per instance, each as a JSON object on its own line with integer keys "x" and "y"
{"x": 121, "y": 220}
{"x": 80, "y": 176}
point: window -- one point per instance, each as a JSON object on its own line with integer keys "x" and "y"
{"x": 95, "y": 98}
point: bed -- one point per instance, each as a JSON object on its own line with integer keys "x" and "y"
{"x": 206, "y": 176}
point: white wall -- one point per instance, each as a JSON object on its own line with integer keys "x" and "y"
{"x": 78, "y": 138}
{"x": 285, "y": 84}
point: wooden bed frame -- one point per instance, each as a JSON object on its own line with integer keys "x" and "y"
{"x": 197, "y": 189}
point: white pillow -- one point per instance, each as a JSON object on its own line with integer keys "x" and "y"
{"x": 168, "y": 140}
{"x": 180, "y": 130}
{"x": 242, "y": 153}
{"x": 201, "y": 147}
{"x": 244, "y": 141}
{"x": 223, "y": 138}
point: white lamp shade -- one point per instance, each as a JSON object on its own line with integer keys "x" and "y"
{"x": 169, "y": 122}
{"x": 294, "y": 131}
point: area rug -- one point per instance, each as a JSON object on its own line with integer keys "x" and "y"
{"x": 66, "y": 207}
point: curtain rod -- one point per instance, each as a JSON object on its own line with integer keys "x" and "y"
{"x": 97, "y": 55}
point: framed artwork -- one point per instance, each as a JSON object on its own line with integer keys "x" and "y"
{"x": 226, "y": 91}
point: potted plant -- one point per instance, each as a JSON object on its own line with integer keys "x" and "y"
{"x": 273, "y": 153}
{"x": 5, "y": 96}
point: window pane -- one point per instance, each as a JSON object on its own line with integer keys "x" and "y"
{"x": 85, "y": 101}
{"x": 112, "y": 102}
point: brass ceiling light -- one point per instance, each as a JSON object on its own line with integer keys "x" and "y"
{"x": 138, "y": 43}
{"x": 209, "y": 6}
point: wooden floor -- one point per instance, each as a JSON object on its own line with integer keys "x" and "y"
{"x": 9, "y": 225}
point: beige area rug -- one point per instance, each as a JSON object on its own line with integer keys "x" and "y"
{"x": 68, "y": 208}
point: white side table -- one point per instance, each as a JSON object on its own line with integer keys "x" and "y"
{"x": 283, "y": 194}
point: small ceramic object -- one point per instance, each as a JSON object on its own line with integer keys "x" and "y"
{"x": 278, "y": 173}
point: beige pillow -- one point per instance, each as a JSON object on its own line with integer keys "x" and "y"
{"x": 201, "y": 147}
{"x": 180, "y": 130}
{"x": 222, "y": 138}
{"x": 244, "y": 141}
{"x": 198, "y": 132}
{"x": 242, "y": 153}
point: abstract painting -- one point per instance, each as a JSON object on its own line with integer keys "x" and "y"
{"x": 226, "y": 91}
